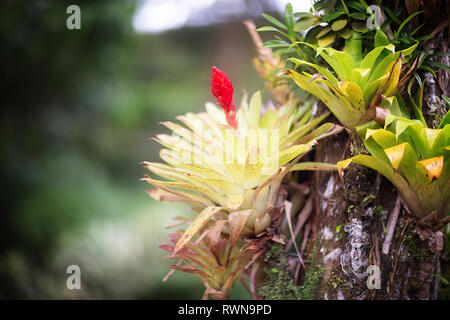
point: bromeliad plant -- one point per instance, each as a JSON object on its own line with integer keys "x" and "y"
{"x": 365, "y": 86}
{"x": 361, "y": 83}
{"x": 228, "y": 165}
{"x": 414, "y": 158}
{"x": 217, "y": 258}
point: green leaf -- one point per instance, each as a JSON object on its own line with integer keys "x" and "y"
{"x": 446, "y": 119}
{"x": 267, "y": 28}
{"x": 340, "y": 61}
{"x": 353, "y": 93}
{"x": 419, "y": 80}
{"x": 439, "y": 65}
{"x": 378, "y": 209}
{"x": 408, "y": 51}
{"x": 384, "y": 227}
{"x": 425, "y": 37}
{"x": 358, "y": 16}
{"x": 380, "y": 39}
{"x": 440, "y": 54}
{"x": 381, "y": 68}
{"x": 443, "y": 280}
{"x": 325, "y": 5}
{"x": 317, "y": 133}
{"x": 417, "y": 109}
{"x": 305, "y": 23}
{"x": 314, "y": 166}
{"x": 359, "y": 27}
{"x": 417, "y": 29}
{"x": 323, "y": 32}
{"x": 289, "y": 18}
{"x": 370, "y": 58}
{"x": 302, "y": 14}
{"x": 341, "y": 108}
{"x": 405, "y": 22}
{"x": 383, "y": 138}
{"x": 270, "y": 28}
{"x": 326, "y": 39}
{"x": 345, "y": 33}
{"x": 402, "y": 106}
{"x": 311, "y": 34}
{"x": 274, "y": 21}
{"x": 254, "y": 111}
{"x": 275, "y": 44}
{"x": 294, "y": 151}
{"x": 371, "y": 145}
{"x": 392, "y": 15}
{"x": 301, "y": 130}
{"x": 320, "y": 69}
{"x": 345, "y": 7}
{"x": 339, "y": 24}
{"x": 287, "y": 51}
{"x": 369, "y": 197}
{"x": 364, "y": 4}
{"x": 356, "y": 5}
{"x": 331, "y": 16}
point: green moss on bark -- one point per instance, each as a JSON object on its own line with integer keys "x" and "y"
{"x": 312, "y": 278}
{"x": 412, "y": 247}
{"x": 279, "y": 284}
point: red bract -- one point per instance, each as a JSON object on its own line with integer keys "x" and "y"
{"x": 222, "y": 89}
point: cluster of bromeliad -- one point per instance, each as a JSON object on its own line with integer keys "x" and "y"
{"x": 228, "y": 164}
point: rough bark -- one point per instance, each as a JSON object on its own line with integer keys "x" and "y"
{"x": 360, "y": 206}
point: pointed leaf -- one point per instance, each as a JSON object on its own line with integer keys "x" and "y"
{"x": 380, "y": 38}
{"x": 345, "y": 33}
{"x": 314, "y": 166}
{"x": 305, "y": 23}
{"x": 323, "y": 32}
{"x": 331, "y": 16}
{"x": 394, "y": 70}
{"x": 255, "y": 109}
{"x": 200, "y": 220}
{"x": 341, "y": 165}
{"x": 354, "y": 94}
{"x": 395, "y": 154}
{"x": 274, "y": 21}
{"x": 326, "y": 39}
{"x": 359, "y": 27}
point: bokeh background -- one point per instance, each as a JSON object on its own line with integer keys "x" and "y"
{"x": 78, "y": 107}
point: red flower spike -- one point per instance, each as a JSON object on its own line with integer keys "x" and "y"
{"x": 222, "y": 89}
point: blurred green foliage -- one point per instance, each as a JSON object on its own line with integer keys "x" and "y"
{"x": 78, "y": 109}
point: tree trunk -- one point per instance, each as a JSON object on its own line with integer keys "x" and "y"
{"x": 362, "y": 206}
